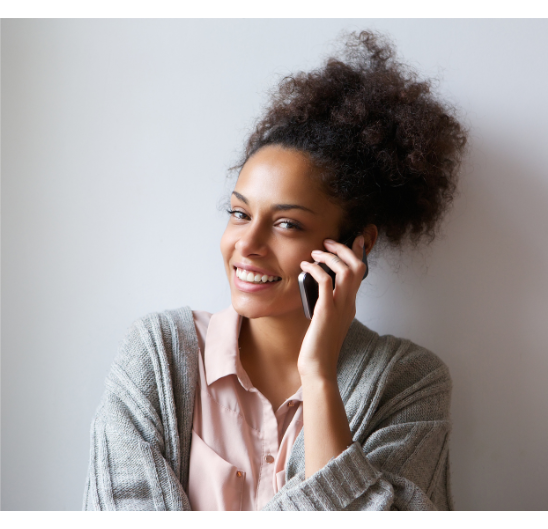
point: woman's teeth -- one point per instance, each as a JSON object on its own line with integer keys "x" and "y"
{"x": 252, "y": 277}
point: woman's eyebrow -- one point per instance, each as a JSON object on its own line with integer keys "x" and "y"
{"x": 276, "y": 207}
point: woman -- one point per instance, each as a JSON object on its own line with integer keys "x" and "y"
{"x": 258, "y": 407}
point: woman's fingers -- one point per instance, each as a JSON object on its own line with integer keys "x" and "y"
{"x": 343, "y": 275}
{"x": 352, "y": 257}
{"x": 325, "y": 284}
{"x": 348, "y": 267}
{"x": 342, "y": 260}
{"x": 332, "y": 260}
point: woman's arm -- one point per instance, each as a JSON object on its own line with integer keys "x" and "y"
{"x": 399, "y": 459}
{"x": 402, "y": 463}
{"x": 326, "y": 430}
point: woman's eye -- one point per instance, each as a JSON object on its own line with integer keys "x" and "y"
{"x": 285, "y": 224}
{"x": 237, "y": 214}
{"x": 290, "y": 225}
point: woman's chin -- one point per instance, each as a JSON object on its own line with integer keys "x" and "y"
{"x": 256, "y": 308}
{"x": 249, "y": 308}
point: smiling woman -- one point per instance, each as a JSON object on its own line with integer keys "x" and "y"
{"x": 257, "y": 406}
{"x": 278, "y": 217}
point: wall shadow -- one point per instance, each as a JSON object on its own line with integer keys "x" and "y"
{"x": 478, "y": 297}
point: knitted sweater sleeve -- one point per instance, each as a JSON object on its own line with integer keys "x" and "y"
{"x": 399, "y": 459}
{"x": 135, "y": 456}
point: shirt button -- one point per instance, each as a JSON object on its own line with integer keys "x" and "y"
{"x": 269, "y": 459}
{"x": 290, "y": 403}
{"x": 239, "y": 474}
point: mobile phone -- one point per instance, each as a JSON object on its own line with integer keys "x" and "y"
{"x": 309, "y": 286}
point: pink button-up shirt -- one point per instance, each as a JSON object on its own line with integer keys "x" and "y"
{"x": 240, "y": 444}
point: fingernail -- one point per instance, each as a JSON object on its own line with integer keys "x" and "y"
{"x": 361, "y": 241}
{"x": 316, "y": 252}
{"x": 329, "y": 241}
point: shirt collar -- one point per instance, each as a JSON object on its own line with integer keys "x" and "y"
{"x": 221, "y": 352}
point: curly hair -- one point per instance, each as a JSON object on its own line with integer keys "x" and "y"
{"x": 388, "y": 150}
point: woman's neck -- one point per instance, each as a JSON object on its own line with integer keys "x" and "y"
{"x": 274, "y": 342}
{"x": 269, "y": 351}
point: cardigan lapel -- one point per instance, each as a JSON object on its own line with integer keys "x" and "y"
{"x": 185, "y": 380}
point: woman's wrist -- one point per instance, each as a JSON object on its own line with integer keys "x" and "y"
{"x": 316, "y": 378}
{"x": 326, "y": 429}
{"x": 318, "y": 369}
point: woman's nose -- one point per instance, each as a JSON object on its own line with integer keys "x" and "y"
{"x": 251, "y": 243}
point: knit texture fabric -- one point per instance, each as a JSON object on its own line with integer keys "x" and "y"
{"x": 396, "y": 396}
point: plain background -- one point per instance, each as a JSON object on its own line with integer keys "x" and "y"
{"x": 116, "y": 140}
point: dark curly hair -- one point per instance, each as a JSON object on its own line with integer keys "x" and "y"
{"x": 388, "y": 150}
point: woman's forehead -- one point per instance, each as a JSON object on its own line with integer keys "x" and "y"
{"x": 281, "y": 175}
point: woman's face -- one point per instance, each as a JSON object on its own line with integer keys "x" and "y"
{"x": 279, "y": 216}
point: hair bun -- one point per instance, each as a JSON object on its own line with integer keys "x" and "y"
{"x": 390, "y": 150}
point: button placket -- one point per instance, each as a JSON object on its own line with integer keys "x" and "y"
{"x": 270, "y": 434}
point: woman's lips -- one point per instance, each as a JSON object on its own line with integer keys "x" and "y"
{"x": 244, "y": 286}
{"x": 251, "y": 268}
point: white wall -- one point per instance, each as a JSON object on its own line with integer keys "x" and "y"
{"x": 116, "y": 137}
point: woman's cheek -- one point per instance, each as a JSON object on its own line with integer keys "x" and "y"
{"x": 226, "y": 246}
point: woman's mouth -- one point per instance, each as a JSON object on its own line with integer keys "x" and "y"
{"x": 254, "y": 277}
{"x": 248, "y": 281}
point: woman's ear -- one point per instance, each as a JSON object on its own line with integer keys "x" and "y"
{"x": 370, "y": 234}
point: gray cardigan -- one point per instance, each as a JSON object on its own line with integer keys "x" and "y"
{"x": 396, "y": 395}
